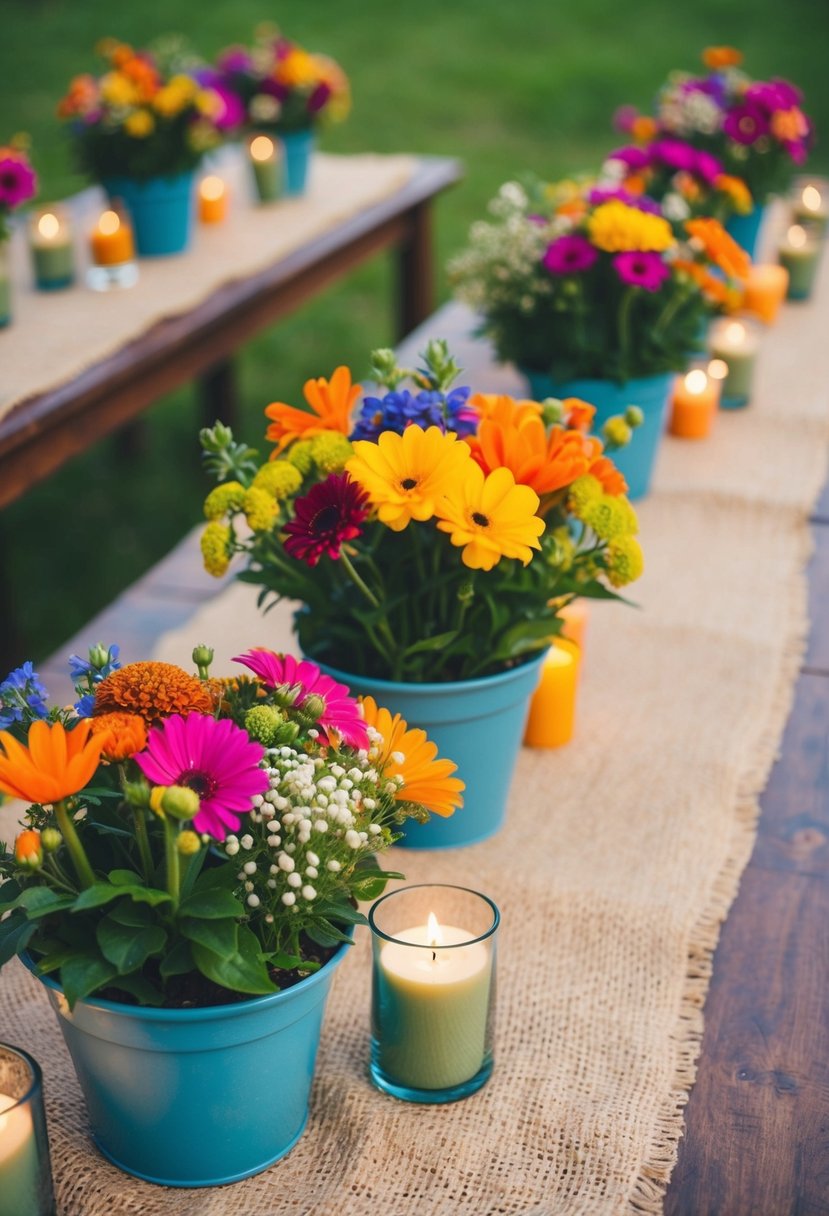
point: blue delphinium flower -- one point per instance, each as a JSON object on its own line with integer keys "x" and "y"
{"x": 86, "y": 673}
{"x": 401, "y": 408}
{"x": 22, "y": 697}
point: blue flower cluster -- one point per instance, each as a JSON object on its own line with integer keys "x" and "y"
{"x": 400, "y": 409}
{"x": 22, "y": 696}
{"x": 86, "y": 673}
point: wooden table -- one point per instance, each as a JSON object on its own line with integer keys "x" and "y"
{"x": 42, "y": 432}
{"x": 756, "y": 1140}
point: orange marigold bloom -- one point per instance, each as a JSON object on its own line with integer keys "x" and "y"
{"x": 501, "y": 408}
{"x": 538, "y": 460}
{"x": 635, "y": 184}
{"x": 124, "y": 734}
{"x": 56, "y": 763}
{"x": 152, "y": 690}
{"x": 719, "y": 247}
{"x": 426, "y": 779}
{"x": 789, "y": 125}
{"x": 574, "y": 208}
{"x": 331, "y": 401}
{"x": 643, "y": 129}
{"x": 716, "y": 57}
{"x": 579, "y": 414}
{"x": 736, "y": 189}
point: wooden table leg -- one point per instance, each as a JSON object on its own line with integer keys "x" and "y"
{"x": 415, "y": 267}
{"x": 11, "y": 640}
{"x": 218, "y": 396}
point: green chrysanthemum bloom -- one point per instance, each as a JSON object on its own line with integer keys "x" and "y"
{"x": 215, "y": 548}
{"x": 259, "y": 508}
{"x": 299, "y": 454}
{"x": 264, "y": 723}
{"x": 330, "y": 451}
{"x": 610, "y": 517}
{"x": 617, "y": 432}
{"x": 583, "y": 491}
{"x": 225, "y": 499}
{"x": 562, "y": 549}
{"x": 279, "y": 478}
{"x": 625, "y": 561}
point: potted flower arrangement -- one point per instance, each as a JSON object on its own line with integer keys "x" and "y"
{"x": 141, "y": 130}
{"x": 18, "y": 184}
{"x": 286, "y": 91}
{"x": 756, "y": 129}
{"x": 187, "y": 882}
{"x": 592, "y": 294}
{"x": 431, "y": 537}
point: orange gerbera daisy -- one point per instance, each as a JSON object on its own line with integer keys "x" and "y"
{"x": 426, "y": 779}
{"x": 124, "y": 734}
{"x": 152, "y": 690}
{"x": 604, "y": 470}
{"x": 56, "y": 763}
{"x": 643, "y": 129}
{"x": 717, "y": 57}
{"x": 502, "y": 408}
{"x": 331, "y": 401}
{"x": 578, "y": 414}
{"x": 538, "y": 460}
{"x": 719, "y": 247}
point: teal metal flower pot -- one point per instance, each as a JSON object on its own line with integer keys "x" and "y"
{"x": 650, "y": 393}
{"x": 196, "y": 1097}
{"x": 161, "y": 210}
{"x": 477, "y": 723}
{"x": 297, "y": 150}
{"x": 746, "y": 229}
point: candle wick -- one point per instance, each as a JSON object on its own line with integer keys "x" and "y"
{"x": 434, "y": 956}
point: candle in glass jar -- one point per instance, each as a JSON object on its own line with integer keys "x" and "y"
{"x": 735, "y": 343}
{"x": 765, "y": 290}
{"x": 696, "y": 397}
{"x": 799, "y": 253}
{"x": 812, "y": 208}
{"x": 50, "y": 242}
{"x": 552, "y": 715}
{"x": 213, "y": 196}
{"x": 111, "y": 242}
{"x": 19, "y": 1186}
{"x": 264, "y": 158}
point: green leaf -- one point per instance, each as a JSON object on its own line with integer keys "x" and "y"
{"x": 40, "y": 901}
{"x": 436, "y": 642}
{"x": 127, "y": 948}
{"x": 325, "y": 934}
{"x": 220, "y": 937}
{"x": 178, "y": 960}
{"x": 15, "y": 933}
{"x": 140, "y": 987}
{"x": 242, "y": 972}
{"x": 96, "y": 896}
{"x": 124, "y": 878}
{"x": 133, "y": 915}
{"x": 85, "y": 974}
{"x": 211, "y": 904}
{"x": 372, "y": 884}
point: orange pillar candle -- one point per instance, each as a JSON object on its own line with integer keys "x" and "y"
{"x": 575, "y": 616}
{"x": 553, "y": 706}
{"x": 212, "y": 200}
{"x": 111, "y": 242}
{"x": 695, "y": 402}
{"x": 765, "y": 290}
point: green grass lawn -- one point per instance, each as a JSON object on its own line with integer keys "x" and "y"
{"x": 507, "y": 87}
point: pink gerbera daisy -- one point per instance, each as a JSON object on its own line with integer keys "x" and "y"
{"x": 569, "y": 255}
{"x": 645, "y": 270}
{"x": 217, "y": 759}
{"x": 341, "y": 713}
{"x": 17, "y": 181}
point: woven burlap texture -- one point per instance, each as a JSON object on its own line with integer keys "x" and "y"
{"x": 56, "y": 335}
{"x": 621, "y": 855}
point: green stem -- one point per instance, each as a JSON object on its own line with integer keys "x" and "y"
{"x": 625, "y": 309}
{"x": 172, "y": 861}
{"x": 143, "y": 840}
{"x": 80, "y": 861}
{"x": 382, "y": 624}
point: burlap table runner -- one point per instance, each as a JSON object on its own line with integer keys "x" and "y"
{"x": 620, "y": 858}
{"x": 56, "y": 335}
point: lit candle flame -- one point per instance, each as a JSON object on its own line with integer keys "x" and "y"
{"x": 109, "y": 223}
{"x": 696, "y": 382}
{"x": 718, "y": 369}
{"x": 811, "y": 198}
{"x": 261, "y": 148}
{"x": 434, "y": 931}
{"x": 48, "y": 226}
{"x": 797, "y": 236}
{"x": 213, "y": 188}
{"x": 735, "y": 332}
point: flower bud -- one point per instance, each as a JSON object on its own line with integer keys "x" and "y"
{"x": 188, "y": 843}
{"x": 285, "y": 695}
{"x": 634, "y": 416}
{"x": 313, "y": 707}
{"x": 262, "y": 722}
{"x": 51, "y": 840}
{"x": 286, "y": 734}
{"x": 202, "y": 656}
{"x": 27, "y": 850}
{"x": 466, "y": 593}
{"x": 179, "y": 801}
{"x": 137, "y": 793}
{"x": 383, "y": 360}
{"x": 98, "y": 655}
{"x": 552, "y": 411}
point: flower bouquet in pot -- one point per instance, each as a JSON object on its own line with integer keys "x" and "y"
{"x": 284, "y": 91}
{"x": 187, "y": 881}
{"x": 141, "y": 129}
{"x": 755, "y": 129}
{"x": 18, "y": 184}
{"x": 591, "y": 293}
{"x": 430, "y": 536}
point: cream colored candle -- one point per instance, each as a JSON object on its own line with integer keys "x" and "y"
{"x": 19, "y": 1189}
{"x": 799, "y": 252}
{"x": 812, "y": 207}
{"x": 736, "y": 344}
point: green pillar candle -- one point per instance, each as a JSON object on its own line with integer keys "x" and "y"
{"x": 265, "y": 161}
{"x": 736, "y": 344}
{"x": 50, "y": 242}
{"x": 811, "y": 208}
{"x": 5, "y": 287}
{"x": 800, "y": 254}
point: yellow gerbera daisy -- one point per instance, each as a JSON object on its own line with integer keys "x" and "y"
{"x": 406, "y": 475}
{"x": 491, "y": 517}
{"x": 426, "y": 779}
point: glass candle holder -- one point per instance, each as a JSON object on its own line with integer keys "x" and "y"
{"x": 112, "y": 252}
{"x": 50, "y": 243}
{"x": 433, "y": 992}
{"x": 265, "y": 161}
{"x": 735, "y": 343}
{"x": 25, "y": 1169}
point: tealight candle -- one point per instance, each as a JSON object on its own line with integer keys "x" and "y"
{"x": 552, "y": 715}
{"x": 575, "y": 616}
{"x": 25, "y": 1174}
{"x": 799, "y": 253}
{"x": 736, "y": 344}
{"x": 765, "y": 290}
{"x": 213, "y": 195}
{"x": 50, "y": 242}
{"x": 264, "y": 157}
{"x": 812, "y": 208}
{"x": 432, "y": 992}
{"x": 696, "y": 397}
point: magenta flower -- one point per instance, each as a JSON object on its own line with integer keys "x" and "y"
{"x": 17, "y": 181}
{"x": 236, "y": 59}
{"x": 707, "y": 167}
{"x": 746, "y": 124}
{"x": 327, "y": 516}
{"x": 217, "y": 759}
{"x": 624, "y": 118}
{"x": 569, "y": 255}
{"x": 640, "y": 201}
{"x": 319, "y": 98}
{"x": 341, "y": 713}
{"x": 773, "y": 95}
{"x": 635, "y": 158}
{"x": 645, "y": 270}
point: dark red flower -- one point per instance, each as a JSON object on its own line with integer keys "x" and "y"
{"x": 327, "y": 516}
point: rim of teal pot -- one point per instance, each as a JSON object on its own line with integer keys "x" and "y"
{"x": 496, "y": 677}
{"x": 449, "y": 886}
{"x": 203, "y": 1013}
